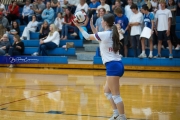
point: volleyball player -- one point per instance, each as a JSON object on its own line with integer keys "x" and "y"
{"x": 109, "y": 47}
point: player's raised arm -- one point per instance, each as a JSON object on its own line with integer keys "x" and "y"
{"x": 84, "y": 33}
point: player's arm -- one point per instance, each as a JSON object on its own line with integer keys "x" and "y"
{"x": 85, "y": 34}
{"x": 94, "y": 30}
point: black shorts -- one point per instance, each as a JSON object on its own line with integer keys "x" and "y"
{"x": 163, "y": 36}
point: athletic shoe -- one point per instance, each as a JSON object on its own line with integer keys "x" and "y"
{"x": 170, "y": 56}
{"x": 157, "y": 56}
{"x": 22, "y": 38}
{"x": 177, "y": 48}
{"x": 118, "y": 117}
{"x": 155, "y": 46}
{"x": 150, "y": 56}
{"x": 35, "y": 54}
{"x": 142, "y": 56}
{"x": 162, "y": 46}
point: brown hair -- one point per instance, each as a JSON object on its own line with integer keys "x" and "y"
{"x": 109, "y": 18}
{"x": 18, "y": 38}
{"x": 118, "y": 11}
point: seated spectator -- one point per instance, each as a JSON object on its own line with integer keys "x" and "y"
{"x": 4, "y": 44}
{"x": 68, "y": 24}
{"x": 98, "y": 24}
{"x": 31, "y": 27}
{"x": 93, "y": 7}
{"x": 15, "y": 28}
{"x": 123, "y": 22}
{"x": 103, "y": 5}
{"x": 135, "y": 22}
{"x": 26, "y": 13}
{"x": 50, "y": 43}
{"x": 38, "y": 7}
{"x": 118, "y": 5}
{"x": 54, "y": 4}
{"x": 48, "y": 13}
{"x": 58, "y": 22}
{"x": 13, "y": 12}
{"x": 82, "y": 5}
{"x": 44, "y": 31}
{"x": 2, "y": 8}
{"x": 4, "y": 24}
{"x": 73, "y": 4}
{"x": 17, "y": 48}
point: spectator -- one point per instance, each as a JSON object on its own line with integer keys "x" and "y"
{"x": 48, "y": 13}
{"x": 98, "y": 24}
{"x": 54, "y": 4}
{"x": 2, "y": 8}
{"x": 26, "y": 13}
{"x": 163, "y": 24}
{"x": 128, "y": 11}
{"x": 123, "y": 21}
{"x": 59, "y": 6}
{"x": 68, "y": 24}
{"x": 38, "y": 7}
{"x": 118, "y": 5}
{"x": 103, "y": 5}
{"x": 140, "y": 3}
{"x": 17, "y": 47}
{"x": 178, "y": 8}
{"x": 73, "y": 4}
{"x": 172, "y": 7}
{"x": 44, "y": 31}
{"x": 148, "y": 22}
{"x": 31, "y": 27}
{"x": 148, "y": 3}
{"x": 154, "y": 4}
{"x": 4, "y": 44}
{"x": 50, "y": 43}
{"x": 135, "y": 23}
{"x": 4, "y": 24}
{"x": 82, "y": 5}
{"x": 93, "y": 7}
{"x": 13, "y": 12}
{"x": 15, "y": 28}
{"x": 58, "y": 22}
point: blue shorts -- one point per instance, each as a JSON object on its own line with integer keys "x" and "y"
{"x": 114, "y": 68}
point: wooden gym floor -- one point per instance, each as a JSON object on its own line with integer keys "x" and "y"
{"x": 63, "y": 94}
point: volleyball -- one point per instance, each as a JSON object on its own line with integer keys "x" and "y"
{"x": 80, "y": 17}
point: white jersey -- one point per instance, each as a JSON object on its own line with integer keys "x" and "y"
{"x": 106, "y": 46}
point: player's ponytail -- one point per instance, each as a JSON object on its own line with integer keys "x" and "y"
{"x": 109, "y": 18}
{"x": 115, "y": 38}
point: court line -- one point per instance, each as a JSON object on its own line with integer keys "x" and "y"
{"x": 26, "y": 98}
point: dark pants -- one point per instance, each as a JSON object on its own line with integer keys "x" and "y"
{"x": 42, "y": 35}
{"x": 136, "y": 45}
{"x": 13, "y": 52}
{"x": 24, "y": 21}
{"x": 174, "y": 39}
{"x": 65, "y": 29}
{"x": 11, "y": 17}
{"x": 46, "y": 46}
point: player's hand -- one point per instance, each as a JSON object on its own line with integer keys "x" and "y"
{"x": 76, "y": 24}
{"x": 168, "y": 32}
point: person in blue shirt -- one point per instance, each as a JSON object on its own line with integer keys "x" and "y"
{"x": 48, "y": 14}
{"x": 123, "y": 21}
{"x": 148, "y": 22}
{"x": 93, "y": 7}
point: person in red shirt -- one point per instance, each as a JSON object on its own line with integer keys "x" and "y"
{"x": 13, "y": 12}
{"x": 68, "y": 24}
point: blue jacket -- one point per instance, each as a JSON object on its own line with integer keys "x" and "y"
{"x": 48, "y": 15}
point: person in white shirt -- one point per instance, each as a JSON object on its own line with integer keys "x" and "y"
{"x": 127, "y": 9}
{"x": 58, "y": 21}
{"x": 32, "y": 26}
{"x": 2, "y": 8}
{"x": 109, "y": 47}
{"x": 49, "y": 43}
{"x": 163, "y": 23}
{"x": 135, "y": 22}
{"x": 82, "y": 5}
{"x": 103, "y": 5}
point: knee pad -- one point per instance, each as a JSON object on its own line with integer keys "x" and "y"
{"x": 117, "y": 99}
{"x": 108, "y": 95}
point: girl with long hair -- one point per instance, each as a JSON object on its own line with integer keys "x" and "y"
{"x": 109, "y": 47}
